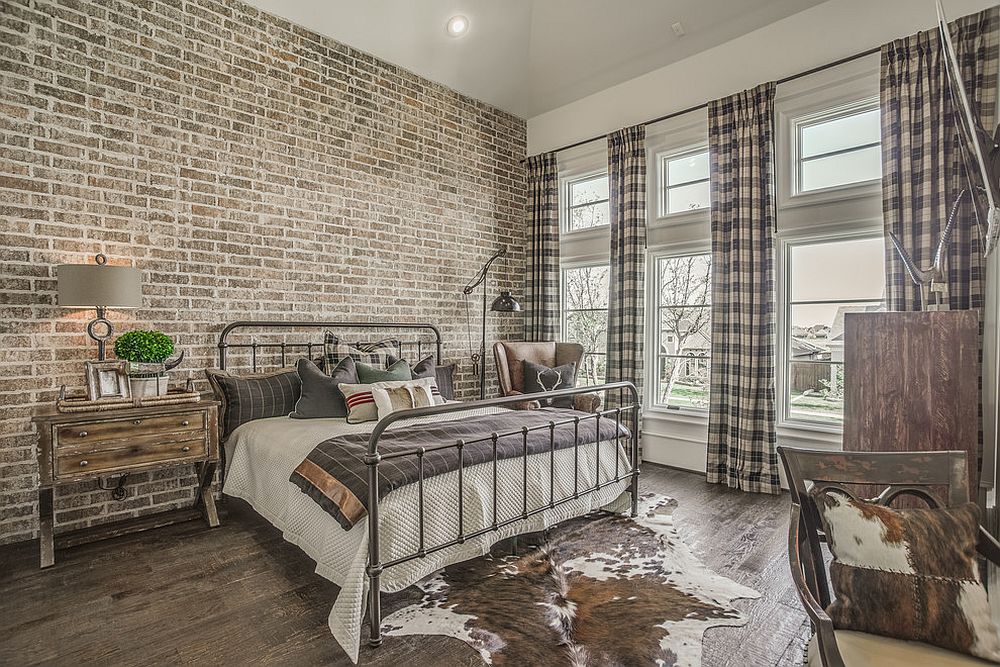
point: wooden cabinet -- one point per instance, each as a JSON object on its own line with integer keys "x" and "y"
{"x": 88, "y": 445}
{"x": 912, "y": 383}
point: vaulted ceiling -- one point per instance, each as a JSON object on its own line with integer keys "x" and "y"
{"x": 530, "y": 56}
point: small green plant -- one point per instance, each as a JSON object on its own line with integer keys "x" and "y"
{"x": 144, "y": 347}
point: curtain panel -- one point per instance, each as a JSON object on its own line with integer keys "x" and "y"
{"x": 627, "y": 184}
{"x": 541, "y": 286}
{"x": 922, "y": 162}
{"x": 741, "y": 436}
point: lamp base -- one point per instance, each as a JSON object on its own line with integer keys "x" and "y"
{"x": 93, "y": 330}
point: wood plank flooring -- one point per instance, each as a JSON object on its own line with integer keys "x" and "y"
{"x": 240, "y": 595}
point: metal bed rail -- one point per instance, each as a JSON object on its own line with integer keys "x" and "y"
{"x": 628, "y": 411}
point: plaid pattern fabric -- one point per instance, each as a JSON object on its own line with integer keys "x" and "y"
{"x": 741, "y": 437}
{"x": 379, "y": 354}
{"x": 258, "y": 396}
{"x": 922, "y": 160}
{"x": 627, "y": 186}
{"x": 541, "y": 284}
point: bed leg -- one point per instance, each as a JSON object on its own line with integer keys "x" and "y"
{"x": 634, "y": 492}
{"x": 375, "y": 611}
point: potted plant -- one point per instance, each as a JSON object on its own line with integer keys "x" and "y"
{"x": 146, "y": 354}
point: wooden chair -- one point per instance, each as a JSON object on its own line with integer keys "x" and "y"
{"x": 510, "y": 358}
{"x": 916, "y": 474}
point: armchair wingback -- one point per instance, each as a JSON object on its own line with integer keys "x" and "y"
{"x": 510, "y": 357}
{"x": 937, "y": 478}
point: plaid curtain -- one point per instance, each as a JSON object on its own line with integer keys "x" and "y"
{"x": 741, "y": 436}
{"x": 627, "y": 185}
{"x": 541, "y": 280}
{"x": 922, "y": 168}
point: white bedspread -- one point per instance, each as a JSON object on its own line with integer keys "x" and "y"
{"x": 262, "y": 454}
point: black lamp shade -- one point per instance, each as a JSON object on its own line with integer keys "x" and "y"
{"x": 505, "y": 303}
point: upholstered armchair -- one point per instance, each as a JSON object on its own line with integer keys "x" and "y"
{"x": 510, "y": 358}
{"x": 937, "y": 478}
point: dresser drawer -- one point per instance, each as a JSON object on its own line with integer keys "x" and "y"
{"x": 115, "y": 430}
{"x": 77, "y": 462}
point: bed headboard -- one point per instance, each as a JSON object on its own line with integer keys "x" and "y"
{"x": 262, "y": 345}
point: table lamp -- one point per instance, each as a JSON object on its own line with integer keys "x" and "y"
{"x": 99, "y": 286}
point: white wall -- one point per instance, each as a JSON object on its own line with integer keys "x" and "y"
{"x": 816, "y": 36}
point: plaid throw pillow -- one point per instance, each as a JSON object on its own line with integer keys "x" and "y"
{"x": 909, "y": 574}
{"x": 378, "y": 354}
{"x": 248, "y": 397}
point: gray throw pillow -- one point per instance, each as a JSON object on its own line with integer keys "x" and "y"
{"x": 320, "y": 396}
{"x": 538, "y": 378}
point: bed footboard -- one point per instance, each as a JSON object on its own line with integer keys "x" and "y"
{"x": 626, "y": 413}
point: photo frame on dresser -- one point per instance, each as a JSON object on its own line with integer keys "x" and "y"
{"x": 107, "y": 379}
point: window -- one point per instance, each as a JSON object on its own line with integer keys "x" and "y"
{"x": 684, "y": 330}
{"x": 838, "y": 147}
{"x": 684, "y": 182}
{"x": 587, "y": 205}
{"x": 824, "y": 281}
{"x": 585, "y": 317}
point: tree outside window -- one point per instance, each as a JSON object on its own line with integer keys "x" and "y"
{"x": 585, "y": 318}
{"x": 684, "y": 321}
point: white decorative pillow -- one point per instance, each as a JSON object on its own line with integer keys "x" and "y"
{"x": 414, "y": 394}
{"x": 360, "y": 398}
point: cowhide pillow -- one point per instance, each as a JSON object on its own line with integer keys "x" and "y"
{"x": 909, "y": 574}
{"x": 415, "y": 394}
{"x": 538, "y": 378}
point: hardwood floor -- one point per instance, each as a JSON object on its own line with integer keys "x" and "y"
{"x": 239, "y": 594}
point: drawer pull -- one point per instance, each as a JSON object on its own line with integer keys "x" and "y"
{"x": 84, "y": 463}
{"x": 137, "y": 422}
{"x": 185, "y": 423}
{"x": 83, "y": 434}
{"x": 185, "y": 448}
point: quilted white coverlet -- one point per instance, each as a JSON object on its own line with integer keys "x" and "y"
{"x": 262, "y": 454}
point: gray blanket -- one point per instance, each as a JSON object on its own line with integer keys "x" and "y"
{"x": 336, "y": 476}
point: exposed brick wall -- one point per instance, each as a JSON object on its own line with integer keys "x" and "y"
{"x": 251, "y": 169}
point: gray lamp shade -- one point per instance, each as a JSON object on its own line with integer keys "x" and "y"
{"x": 92, "y": 285}
{"x": 505, "y": 303}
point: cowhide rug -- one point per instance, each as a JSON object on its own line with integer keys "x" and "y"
{"x": 603, "y": 589}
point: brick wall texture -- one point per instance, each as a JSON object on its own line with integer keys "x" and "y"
{"x": 251, "y": 169}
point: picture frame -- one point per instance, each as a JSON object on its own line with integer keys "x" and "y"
{"x": 107, "y": 380}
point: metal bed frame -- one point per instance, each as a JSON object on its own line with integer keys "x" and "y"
{"x": 626, "y": 412}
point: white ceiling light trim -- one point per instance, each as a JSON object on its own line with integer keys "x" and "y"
{"x": 458, "y": 26}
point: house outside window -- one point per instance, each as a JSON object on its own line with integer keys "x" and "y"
{"x": 826, "y": 280}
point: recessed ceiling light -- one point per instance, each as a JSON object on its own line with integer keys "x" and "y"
{"x": 458, "y": 26}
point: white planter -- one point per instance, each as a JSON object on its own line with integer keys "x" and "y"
{"x": 146, "y": 387}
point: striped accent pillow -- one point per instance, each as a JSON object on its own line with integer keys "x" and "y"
{"x": 361, "y": 400}
{"x": 257, "y": 396}
{"x": 378, "y": 354}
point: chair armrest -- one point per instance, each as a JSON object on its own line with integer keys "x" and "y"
{"x": 587, "y": 402}
{"x": 821, "y": 622}
{"x": 988, "y": 547}
{"x": 523, "y": 405}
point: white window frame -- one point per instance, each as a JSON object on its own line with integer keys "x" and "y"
{"x": 662, "y": 187}
{"x": 567, "y": 266}
{"x": 653, "y": 327}
{"x": 565, "y": 207}
{"x": 829, "y": 114}
{"x": 865, "y": 230}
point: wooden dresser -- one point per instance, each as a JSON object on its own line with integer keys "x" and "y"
{"x": 90, "y": 445}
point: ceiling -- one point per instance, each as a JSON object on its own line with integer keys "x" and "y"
{"x": 531, "y": 56}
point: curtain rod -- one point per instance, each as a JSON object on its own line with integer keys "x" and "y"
{"x": 704, "y": 105}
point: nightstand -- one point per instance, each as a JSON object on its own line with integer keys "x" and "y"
{"x": 90, "y": 445}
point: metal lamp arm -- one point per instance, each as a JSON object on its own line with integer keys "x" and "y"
{"x": 480, "y": 277}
